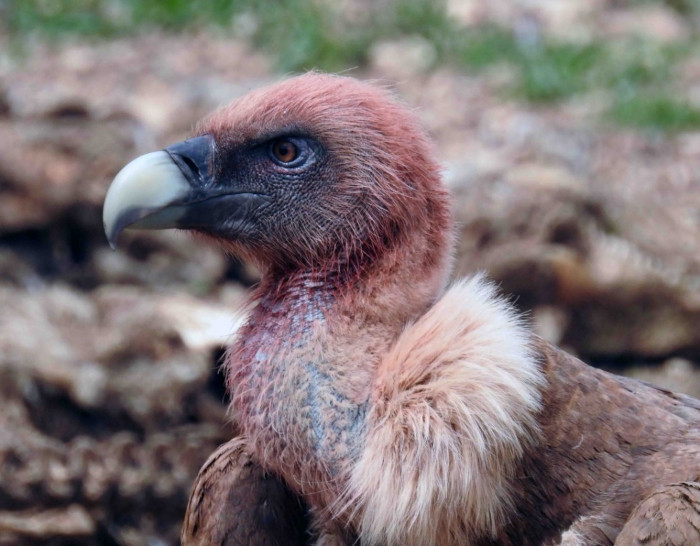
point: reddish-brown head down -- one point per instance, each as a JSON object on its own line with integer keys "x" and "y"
{"x": 397, "y": 411}
{"x": 364, "y": 197}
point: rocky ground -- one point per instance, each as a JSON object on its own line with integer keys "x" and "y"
{"x": 110, "y": 394}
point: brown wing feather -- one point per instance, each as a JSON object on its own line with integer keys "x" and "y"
{"x": 670, "y": 516}
{"x": 608, "y": 443}
{"x": 234, "y": 502}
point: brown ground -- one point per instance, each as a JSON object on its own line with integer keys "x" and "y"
{"x": 108, "y": 384}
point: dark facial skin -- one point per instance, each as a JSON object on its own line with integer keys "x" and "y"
{"x": 267, "y": 195}
{"x": 293, "y": 186}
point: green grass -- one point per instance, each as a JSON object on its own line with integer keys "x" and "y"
{"x": 106, "y": 18}
{"x": 304, "y": 34}
{"x": 554, "y": 71}
{"x": 659, "y": 111}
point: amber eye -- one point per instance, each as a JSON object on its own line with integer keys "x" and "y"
{"x": 285, "y": 151}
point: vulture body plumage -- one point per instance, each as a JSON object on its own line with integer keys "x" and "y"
{"x": 376, "y": 405}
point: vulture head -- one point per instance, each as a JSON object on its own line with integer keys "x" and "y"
{"x": 318, "y": 172}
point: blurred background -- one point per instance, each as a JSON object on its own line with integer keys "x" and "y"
{"x": 570, "y": 135}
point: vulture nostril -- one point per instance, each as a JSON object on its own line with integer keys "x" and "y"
{"x": 191, "y": 165}
{"x": 194, "y": 157}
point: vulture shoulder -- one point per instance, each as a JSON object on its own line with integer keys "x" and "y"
{"x": 610, "y": 444}
{"x": 234, "y": 502}
{"x": 670, "y": 516}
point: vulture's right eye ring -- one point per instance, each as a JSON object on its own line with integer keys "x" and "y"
{"x": 284, "y": 151}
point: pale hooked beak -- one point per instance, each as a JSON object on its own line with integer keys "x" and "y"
{"x": 157, "y": 190}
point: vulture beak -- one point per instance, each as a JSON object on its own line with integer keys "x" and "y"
{"x": 178, "y": 188}
{"x": 159, "y": 189}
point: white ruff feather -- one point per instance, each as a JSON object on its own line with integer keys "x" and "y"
{"x": 453, "y": 408}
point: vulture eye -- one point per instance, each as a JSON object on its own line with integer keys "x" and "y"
{"x": 284, "y": 151}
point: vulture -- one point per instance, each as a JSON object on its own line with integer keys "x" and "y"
{"x": 375, "y": 402}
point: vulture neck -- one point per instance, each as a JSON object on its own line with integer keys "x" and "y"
{"x": 301, "y": 371}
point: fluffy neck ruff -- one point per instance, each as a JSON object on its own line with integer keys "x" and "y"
{"x": 452, "y": 412}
